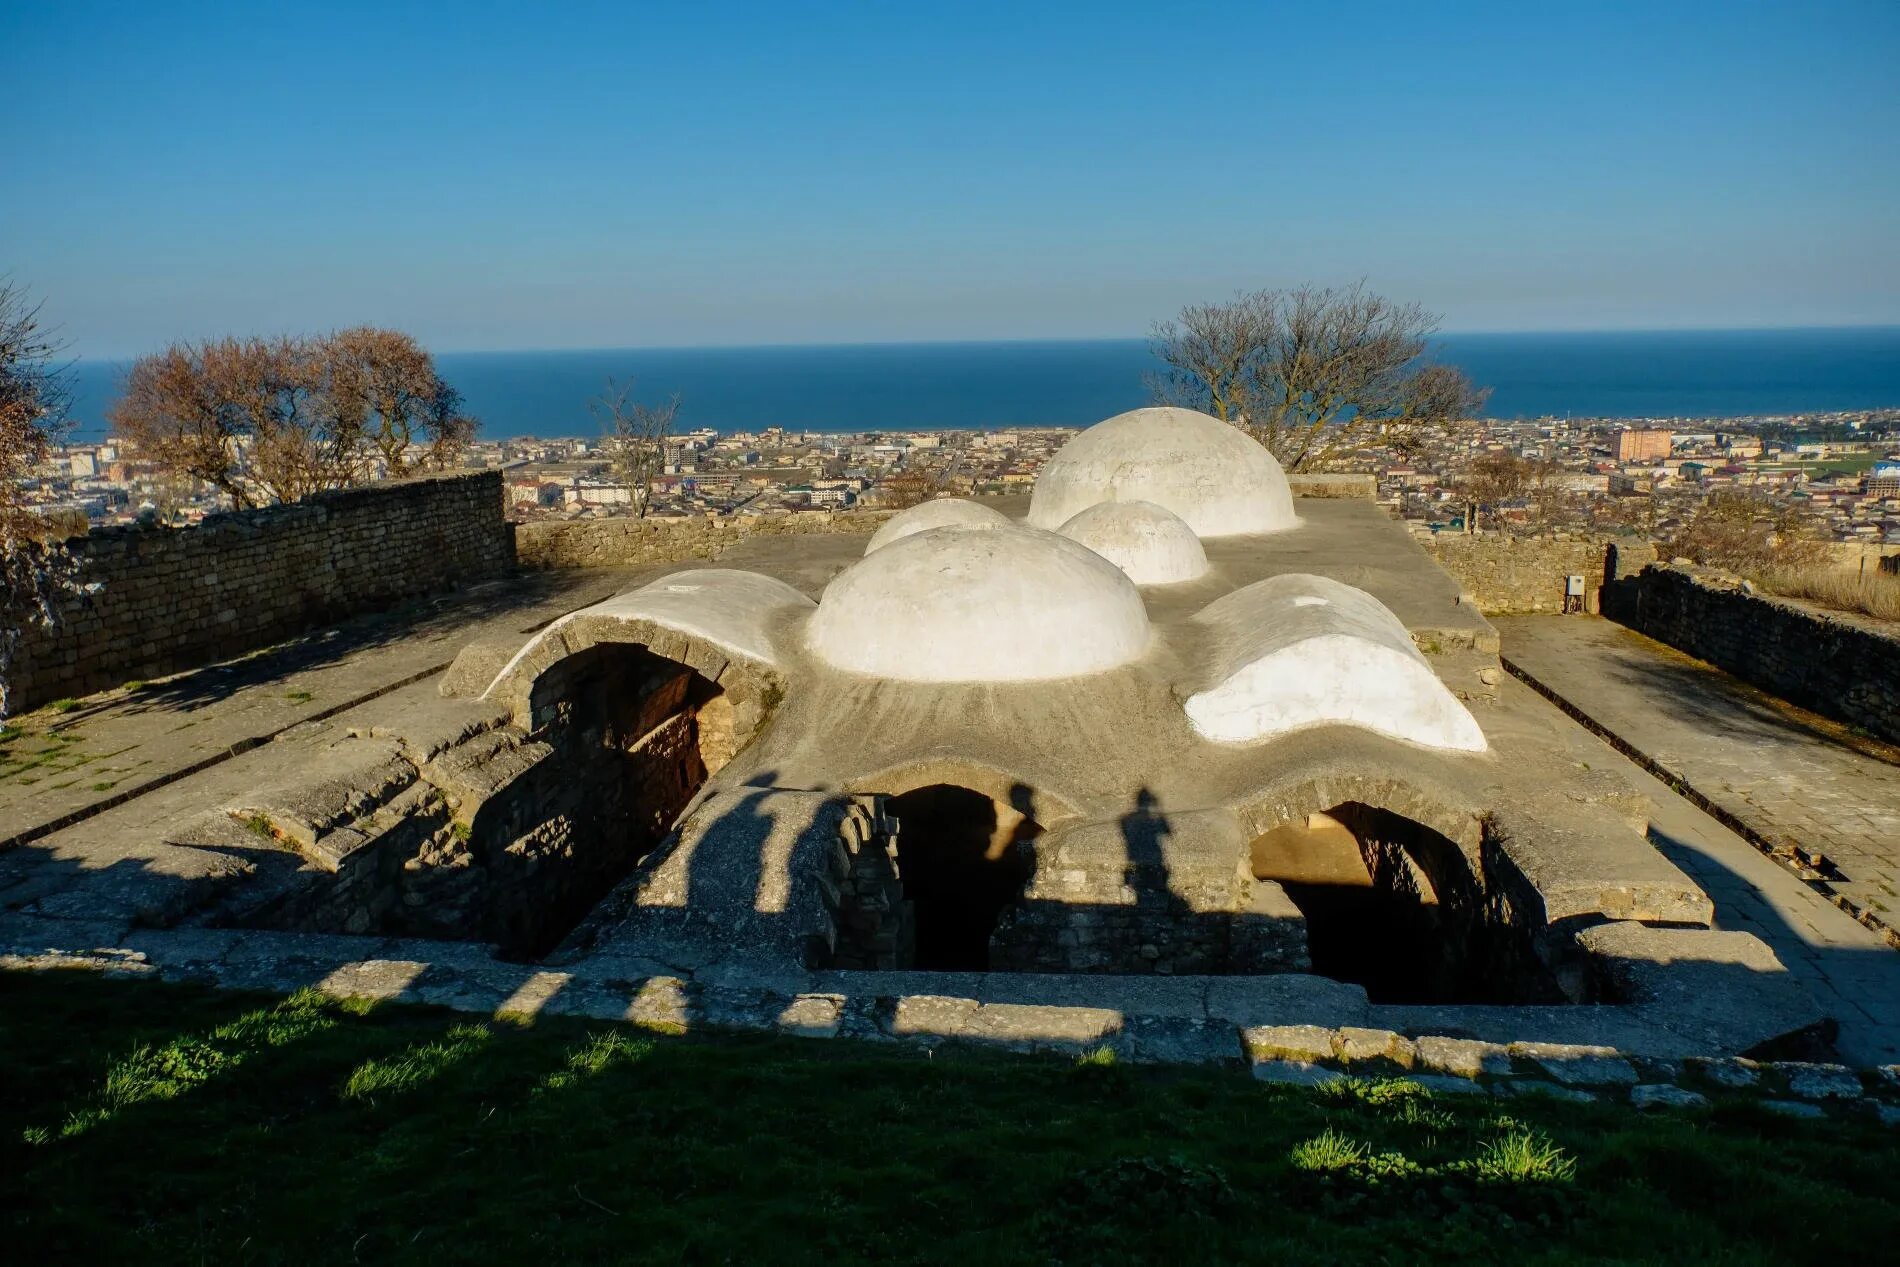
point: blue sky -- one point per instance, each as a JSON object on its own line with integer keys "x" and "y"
{"x": 565, "y": 175}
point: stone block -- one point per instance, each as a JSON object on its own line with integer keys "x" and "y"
{"x": 1578, "y": 1065}
{"x": 1357, "y": 1046}
{"x": 1448, "y": 1084}
{"x": 1462, "y": 1057}
{"x": 1306, "y": 1043}
{"x": 1659, "y": 1095}
{"x": 812, "y": 1015}
{"x": 1294, "y": 1073}
{"x": 1819, "y": 1081}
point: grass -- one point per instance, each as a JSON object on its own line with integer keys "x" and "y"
{"x": 1871, "y": 593}
{"x": 299, "y": 697}
{"x": 152, "y": 1123}
{"x": 64, "y": 705}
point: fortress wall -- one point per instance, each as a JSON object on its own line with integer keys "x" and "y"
{"x": 1354, "y": 485}
{"x": 1511, "y": 576}
{"x": 618, "y": 542}
{"x": 596, "y": 543}
{"x": 169, "y": 599}
{"x": 1840, "y": 665}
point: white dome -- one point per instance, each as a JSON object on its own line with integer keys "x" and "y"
{"x": 1296, "y": 650}
{"x": 945, "y": 512}
{"x": 1218, "y": 479}
{"x": 999, "y": 604}
{"x": 1150, "y": 544}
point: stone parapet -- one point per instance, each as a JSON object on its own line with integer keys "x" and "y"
{"x": 1506, "y": 575}
{"x": 629, "y": 542}
{"x": 1839, "y": 665}
{"x": 161, "y": 600}
{"x": 1348, "y": 484}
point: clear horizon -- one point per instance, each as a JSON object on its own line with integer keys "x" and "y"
{"x": 842, "y": 344}
{"x": 749, "y": 174}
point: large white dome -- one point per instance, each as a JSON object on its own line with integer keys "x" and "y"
{"x": 945, "y": 512}
{"x": 997, "y": 604}
{"x": 1151, "y": 545}
{"x": 1218, "y": 479}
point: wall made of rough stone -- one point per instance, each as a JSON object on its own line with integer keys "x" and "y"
{"x": 1841, "y": 666}
{"x": 628, "y": 542}
{"x": 161, "y": 600}
{"x": 1509, "y": 575}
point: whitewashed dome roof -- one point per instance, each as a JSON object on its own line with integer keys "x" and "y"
{"x": 997, "y": 604}
{"x": 945, "y": 512}
{"x": 1151, "y": 545}
{"x": 1220, "y": 481}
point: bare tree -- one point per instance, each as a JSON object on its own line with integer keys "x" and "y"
{"x": 1213, "y": 352}
{"x": 274, "y": 420}
{"x": 635, "y": 439}
{"x": 1491, "y": 480}
{"x": 1313, "y": 373}
{"x": 904, "y": 490}
{"x": 1749, "y": 534}
{"x": 383, "y": 386}
{"x": 1549, "y": 499}
{"x": 240, "y": 414}
{"x": 35, "y": 571}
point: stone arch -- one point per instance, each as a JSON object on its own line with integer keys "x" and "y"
{"x": 964, "y": 852}
{"x": 533, "y": 683}
{"x": 1048, "y": 808}
{"x": 1445, "y": 812}
{"x": 1389, "y": 882}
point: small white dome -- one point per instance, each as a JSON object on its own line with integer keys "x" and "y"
{"x": 1297, "y": 650}
{"x": 945, "y": 512}
{"x": 963, "y": 604}
{"x": 1149, "y": 543}
{"x": 1219, "y": 480}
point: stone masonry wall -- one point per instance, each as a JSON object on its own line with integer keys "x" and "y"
{"x": 1522, "y": 575}
{"x": 162, "y": 600}
{"x": 1841, "y": 666}
{"x": 595, "y": 543}
{"x": 618, "y": 542}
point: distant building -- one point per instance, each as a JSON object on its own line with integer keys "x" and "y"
{"x": 1643, "y": 446}
{"x": 1884, "y": 480}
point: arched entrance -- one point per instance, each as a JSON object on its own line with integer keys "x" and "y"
{"x": 665, "y": 726}
{"x": 962, "y": 858}
{"x": 1390, "y": 904}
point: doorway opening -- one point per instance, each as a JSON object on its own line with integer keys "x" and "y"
{"x": 1389, "y": 903}
{"x": 963, "y": 859}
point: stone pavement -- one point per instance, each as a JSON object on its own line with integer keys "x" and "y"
{"x": 1814, "y": 791}
{"x": 1849, "y": 969}
{"x": 120, "y": 745}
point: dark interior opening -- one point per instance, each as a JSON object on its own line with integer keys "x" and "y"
{"x": 1389, "y": 903}
{"x": 962, "y": 860}
{"x": 644, "y": 733}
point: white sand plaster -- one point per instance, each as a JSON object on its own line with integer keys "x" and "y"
{"x": 735, "y": 611}
{"x": 945, "y": 512}
{"x": 1219, "y": 480}
{"x": 1153, "y": 546}
{"x": 964, "y": 604}
{"x": 1298, "y": 650}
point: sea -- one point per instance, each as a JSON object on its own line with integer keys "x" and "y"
{"x": 897, "y": 386}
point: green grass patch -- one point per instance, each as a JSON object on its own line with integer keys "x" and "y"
{"x": 64, "y": 705}
{"x": 149, "y": 1123}
{"x": 299, "y": 697}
